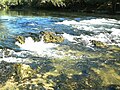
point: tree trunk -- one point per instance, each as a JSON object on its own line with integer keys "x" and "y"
{"x": 18, "y": 2}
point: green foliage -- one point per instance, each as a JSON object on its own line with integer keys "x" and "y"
{"x": 109, "y": 5}
{"x": 56, "y": 2}
{"x": 95, "y": 1}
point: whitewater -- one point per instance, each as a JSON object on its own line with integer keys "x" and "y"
{"x": 77, "y": 34}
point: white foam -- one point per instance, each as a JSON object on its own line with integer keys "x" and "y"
{"x": 69, "y": 37}
{"x": 115, "y": 31}
{"x": 102, "y": 37}
{"x": 90, "y": 24}
{"x": 100, "y": 26}
{"x": 14, "y": 60}
{"x": 66, "y": 22}
{"x": 40, "y": 48}
{"x": 101, "y": 21}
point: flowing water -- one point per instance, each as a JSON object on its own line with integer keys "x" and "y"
{"x": 77, "y": 63}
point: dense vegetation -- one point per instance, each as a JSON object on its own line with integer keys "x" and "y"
{"x": 111, "y": 6}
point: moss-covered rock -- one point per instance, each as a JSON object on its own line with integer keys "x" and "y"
{"x": 48, "y": 37}
{"x": 98, "y": 44}
{"x": 35, "y": 36}
{"x": 20, "y": 39}
{"x": 51, "y": 37}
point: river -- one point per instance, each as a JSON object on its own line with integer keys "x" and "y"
{"x": 88, "y": 58}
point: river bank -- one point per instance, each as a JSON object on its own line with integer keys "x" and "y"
{"x": 89, "y": 6}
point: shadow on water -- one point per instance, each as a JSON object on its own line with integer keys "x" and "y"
{"x": 55, "y": 14}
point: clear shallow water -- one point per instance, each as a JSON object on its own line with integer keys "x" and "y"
{"x": 76, "y": 55}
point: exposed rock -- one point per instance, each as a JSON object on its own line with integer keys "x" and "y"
{"x": 98, "y": 44}
{"x": 51, "y": 37}
{"x": 5, "y": 52}
{"x": 35, "y": 36}
{"x": 48, "y": 37}
{"x": 59, "y": 32}
{"x": 20, "y": 39}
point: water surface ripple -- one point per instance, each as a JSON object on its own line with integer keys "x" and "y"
{"x": 91, "y": 49}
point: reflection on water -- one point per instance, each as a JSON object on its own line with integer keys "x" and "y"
{"x": 87, "y": 59}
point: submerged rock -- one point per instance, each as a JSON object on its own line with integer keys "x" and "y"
{"x": 23, "y": 71}
{"x": 16, "y": 76}
{"x": 98, "y": 44}
{"x": 18, "y": 71}
{"x": 108, "y": 75}
{"x": 114, "y": 48}
{"x": 20, "y": 39}
{"x": 113, "y": 87}
{"x": 6, "y": 70}
{"x": 51, "y": 37}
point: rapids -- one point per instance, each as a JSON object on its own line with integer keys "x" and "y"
{"x": 77, "y": 55}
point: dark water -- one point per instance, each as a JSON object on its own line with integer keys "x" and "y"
{"x": 75, "y": 64}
